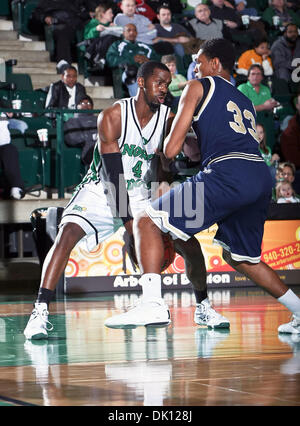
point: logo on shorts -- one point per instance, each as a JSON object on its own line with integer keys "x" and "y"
{"x": 79, "y": 208}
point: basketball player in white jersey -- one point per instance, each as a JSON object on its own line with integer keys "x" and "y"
{"x": 116, "y": 189}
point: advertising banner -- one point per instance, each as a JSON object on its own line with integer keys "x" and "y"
{"x": 108, "y": 267}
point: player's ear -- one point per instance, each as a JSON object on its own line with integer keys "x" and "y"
{"x": 217, "y": 64}
{"x": 141, "y": 82}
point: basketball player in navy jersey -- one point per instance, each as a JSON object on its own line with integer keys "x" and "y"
{"x": 233, "y": 189}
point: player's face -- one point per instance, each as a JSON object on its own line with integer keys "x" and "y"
{"x": 156, "y": 88}
{"x": 204, "y": 65}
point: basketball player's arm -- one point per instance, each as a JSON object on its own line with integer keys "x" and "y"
{"x": 109, "y": 131}
{"x": 190, "y": 98}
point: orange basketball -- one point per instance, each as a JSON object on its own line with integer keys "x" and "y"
{"x": 169, "y": 254}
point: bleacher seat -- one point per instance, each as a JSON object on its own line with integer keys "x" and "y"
{"x": 22, "y": 81}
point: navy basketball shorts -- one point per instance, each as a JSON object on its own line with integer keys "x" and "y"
{"x": 233, "y": 193}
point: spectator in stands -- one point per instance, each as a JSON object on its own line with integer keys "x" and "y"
{"x": 240, "y": 6}
{"x": 258, "y": 93}
{"x": 99, "y": 34}
{"x": 176, "y": 6}
{"x": 284, "y": 50}
{"x": 102, "y": 20}
{"x": 129, "y": 54}
{"x": 260, "y": 54}
{"x": 145, "y": 29}
{"x": 228, "y": 15}
{"x": 233, "y": 27}
{"x": 279, "y": 8}
{"x": 270, "y": 159}
{"x": 64, "y": 17}
{"x": 178, "y": 82}
{"x": 81, "y": 130}
{"x": 290, "y": 138}
{"x": 288, "y": 171}
{"x": 9, "y": 162}
{"x": 204, "y": 26}
{"x": 66, "y": 92}
{"x": 285, "y": 193}
{"x": 170, "y": 36}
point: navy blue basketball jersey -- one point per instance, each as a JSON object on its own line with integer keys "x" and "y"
{"x": 224, "y": 121}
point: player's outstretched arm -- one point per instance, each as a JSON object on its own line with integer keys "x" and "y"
{"x": 189, "y": 100}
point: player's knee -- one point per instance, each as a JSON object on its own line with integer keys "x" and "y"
{"x": 143, "y": 223}
{"x": 69, "y": 234}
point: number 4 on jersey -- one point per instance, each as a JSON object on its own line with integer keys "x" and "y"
{"x": 137, "y": 169}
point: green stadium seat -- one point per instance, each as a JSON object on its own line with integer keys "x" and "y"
{"x": 22, "y": 81}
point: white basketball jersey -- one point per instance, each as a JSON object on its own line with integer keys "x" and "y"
{"x": 138, "y": 147}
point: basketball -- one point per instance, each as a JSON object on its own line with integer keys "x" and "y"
{"x": 169, "y": 254}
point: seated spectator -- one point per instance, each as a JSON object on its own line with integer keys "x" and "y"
{"x": 290, "y": 138}
{"x": 178, "y": 82}
{"x": 171, "y": 37}
{"x": 129, "y": 54}
{"x": 284, "y": 50}
{"x": 258, "y": 93}
{"x": 260, "y": 54}
{"x": 9, "y": 162}
{"x": 279, "y": 9}
{"x": 66, "y": 92}
{"x": 103, "y": 19}
{"x": 204, "y": 26}
{"x": 65, "y": 17}
{"x": 288, "y": 171}
{"x": 270, "y": 159}
{"x": 81, "y": 130}
{"x": 145, "y": 29}
{"x": 285, "y": 193}
{"x": 240, "y": 7}
{"x": 176, "y": 6}
{"x": 233, "y": 28}
{"x": 99, "y": 34}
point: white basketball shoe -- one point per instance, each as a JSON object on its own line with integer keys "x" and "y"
{"x": 292, "y": 327}
{"x": 153, "y": 312}
{"x": 206, "y": 315}
{"x": 38, "y": 324}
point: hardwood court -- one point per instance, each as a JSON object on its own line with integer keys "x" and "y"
{"x": 85, "y": 363}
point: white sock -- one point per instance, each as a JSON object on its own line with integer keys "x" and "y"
{"x": 291, "y": 301}
{"x": 151, "y": 284}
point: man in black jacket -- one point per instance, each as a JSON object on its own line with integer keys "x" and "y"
{"x": 67, "y": 92}
{"x": 65, "y": 17}
{"x": 81, "y": 130}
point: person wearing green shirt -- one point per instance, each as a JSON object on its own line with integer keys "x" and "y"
{"x": 103, "y": 19}
{"x": 178, "y": 82}
{"x": 130, "y": 54}
{"x": 257, "y": 92}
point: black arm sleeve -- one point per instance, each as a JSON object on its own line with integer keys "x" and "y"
{"x": 112, "y": 176}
